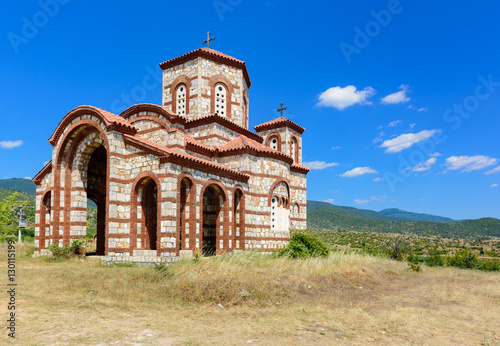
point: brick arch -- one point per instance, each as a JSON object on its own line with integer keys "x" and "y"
{"x": 42, "y": 224}
{"x": 239, "y": 224}
{"x": 69, "y": 144}
{"x": 108, "y": 121}
{"x": 186, "y": 230}
{"x": 224, "y": 209}
{"x": 219, "y": 79}
{"x": 271, "y": 136}
{"x": 139, "y": 183}
{"x": 214, "y": 182}
{"x": 153, "y": 109}
{"x": 271, "y": 190}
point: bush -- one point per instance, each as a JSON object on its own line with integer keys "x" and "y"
{"x": 435, "y": 260}
{"x": 463, "y": 259}
{"x": 397, "y": 249}
{"x": 76, "y": 248}
{"x": 304, "y": 245}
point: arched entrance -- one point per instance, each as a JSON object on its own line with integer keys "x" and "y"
{"x": 185, "y": 202}
{"x": 96, "y": 192}
{"x": 213, "y": 217}
{"x": 149, "y": 205}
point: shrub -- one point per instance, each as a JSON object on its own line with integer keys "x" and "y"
{"x": 304, "y": 245}
{"x": 463, "y": 259}
{"x": 76, "y": 248}
{"x": 397, "y": 248}
{"x": 435, "y": 260}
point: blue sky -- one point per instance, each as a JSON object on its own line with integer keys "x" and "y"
{"x": 399, "y": 99}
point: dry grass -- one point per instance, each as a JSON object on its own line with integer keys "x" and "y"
{"x": 344, "y": 299}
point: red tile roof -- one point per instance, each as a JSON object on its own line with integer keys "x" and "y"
{"x": 170, "y": 155}
{"x": 277, "y": 123}
{"x": 111, "y": 121}
{"x": 37, "y": 179}
{"x": 150, "y": 107}
{"x": 210, "y": 54}
{"x": 299, "y": 168}
{"x": 215, "y": 118}
{"x": 242, "y": 144}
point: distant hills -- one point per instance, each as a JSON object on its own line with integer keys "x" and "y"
{"x": 19, "y": 184}
{"x": 415, "y": 216}
{"x": 325, "y": 216}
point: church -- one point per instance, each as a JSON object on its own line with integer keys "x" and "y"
{"x": 170, "y": 180}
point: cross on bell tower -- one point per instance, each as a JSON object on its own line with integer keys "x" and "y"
{"x": 207, "y": 41}
{"x": 281, "y": 109}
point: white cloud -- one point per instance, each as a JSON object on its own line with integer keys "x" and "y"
{"x": 421, "y": 109}
{"x": 494, "y": 185}
{"x": 470, "y": 163}
{"x": 406, "y": 140}
{"x": 494, "y": 170}
{"x": 336, "y": 147}
{"x": 397, "y": 97}
{"x": 379, "y": 137}
{"x": 342, "y": 98}
{"x": 357, "y": 172}
{"x": 394, "y": 123}
{"x": 425, "y": 166}
{"x": 379, "y": 179}
{"x": 10, "y": 144}
{"x": 436, "y": 154}
{"x": 319, "y": 164}
{"x": 369, "y": 200}
{"x": 412, "y": 125}
{"x": 328, "y": 200}
{"x": 28, "y": 178}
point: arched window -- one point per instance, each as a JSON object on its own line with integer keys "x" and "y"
{"x": 274, "y": 213}
{"x": 181, "y": 93}
{"x": 294, "y": 150}
{"x": 274, "y": 142}
{"x": 220, "y": 100}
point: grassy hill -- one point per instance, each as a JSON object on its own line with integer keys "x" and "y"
{"x": 415, "y": 216}
{"x": 333, "y": 218}
{"x": 363, "y": 213}
{"x": 18, "y": 184}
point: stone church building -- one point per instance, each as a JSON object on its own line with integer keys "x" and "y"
{"x": 185, "y": 176}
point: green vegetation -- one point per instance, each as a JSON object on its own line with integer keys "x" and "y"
{"x": 9, "y": 220}
{"x": 304, "y": 245}
{"x": 414, "y": 216}
{"x": 18, "y": 184}
{"x": 431, "y": 251}
{"x": 325, "y": 216}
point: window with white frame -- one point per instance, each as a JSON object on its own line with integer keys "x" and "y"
{"x": 220, "y": 100}
{"x": 181, "y": 99}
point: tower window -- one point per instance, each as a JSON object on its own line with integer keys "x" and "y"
{"x": 181, "y": 99}
{"x": 220, "y": 100}
{"x": 273, "y": 143}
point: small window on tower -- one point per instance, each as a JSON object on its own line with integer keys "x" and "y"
{"x": 220, "y": 100}
{"x": 274, "y": 143}
{"x": 181, "y": 99}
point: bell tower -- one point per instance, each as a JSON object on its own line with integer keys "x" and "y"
{"x": 206, "y": 82}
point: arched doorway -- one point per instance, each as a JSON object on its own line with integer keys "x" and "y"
{"x": 185, "y": 202}
{"x": 239, "y": 219}
{"x": 96, "y": 192}
{"x": 149, "y": 205}
{"x": 213, "y": 201}
{"x": 44, "y": 231}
